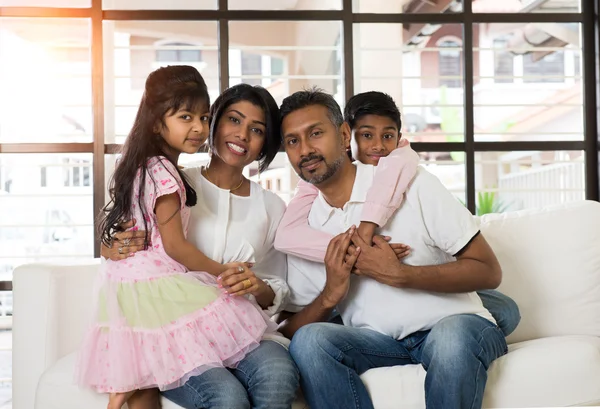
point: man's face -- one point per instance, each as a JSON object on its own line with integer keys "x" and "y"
{"x": 374, "y": 137}
{"x": 315, "y": 147}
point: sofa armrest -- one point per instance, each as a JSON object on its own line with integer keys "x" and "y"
{"x": 51, "y": 309}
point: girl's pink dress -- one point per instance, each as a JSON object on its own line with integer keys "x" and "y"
{"x": 156, "y": 324}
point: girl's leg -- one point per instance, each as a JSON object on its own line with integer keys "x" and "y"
{"x": 270, "y": 376}
{"x": 145, "y": 399}
{"x": 117, "y": 400}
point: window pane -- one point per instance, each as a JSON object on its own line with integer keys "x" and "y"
{"x": 526, "y": 6}
{"x": 285, "y": 5}
{"x": 420, "y": 66}
{"x": 528, "y": 83}
{"x": 51, "y": 58}
{"x": 508, "y": 181}
{"x": 159, "y": 4}
{"x": 51, "y": 221}
{"x": 449, "y": 167}
{"x": 46, "y": 3}
{"x": 407, "y": 6}
{"x": 133, "y": 49}
{"x": 286, "y": 57}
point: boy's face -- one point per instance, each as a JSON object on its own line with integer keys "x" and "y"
{"x": 374, "y": 137}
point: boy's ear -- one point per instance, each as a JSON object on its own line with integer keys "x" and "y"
{"x": 399, "y": 139}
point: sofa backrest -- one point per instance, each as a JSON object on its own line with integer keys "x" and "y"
{"x": 550, "y": 260}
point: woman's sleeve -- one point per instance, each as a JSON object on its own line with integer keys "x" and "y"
{"x": 393, "y": 176}
{"x": 294, "y": 235}
{"x": 272, "y": 267}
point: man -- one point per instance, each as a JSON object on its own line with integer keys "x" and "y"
{"x": 422, "y": 311}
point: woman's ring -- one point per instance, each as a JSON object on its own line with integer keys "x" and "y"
{"x": 121, "y": 250}
{"x": 247, "y": 283}
{"x": 240, "y": 269}
{"x": 126, "y": 241}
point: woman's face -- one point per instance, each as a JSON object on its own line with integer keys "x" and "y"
{"x": 240, "y": 134}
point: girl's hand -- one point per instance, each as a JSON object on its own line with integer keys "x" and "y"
{"x": 240, "y": 280}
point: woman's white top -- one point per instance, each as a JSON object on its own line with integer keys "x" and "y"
{"x": 229, "y": 228}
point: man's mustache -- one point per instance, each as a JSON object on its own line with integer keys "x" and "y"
{"x": 310, "y": 158}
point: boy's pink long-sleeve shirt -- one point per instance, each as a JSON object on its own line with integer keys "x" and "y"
{"x": 394, "y": 174}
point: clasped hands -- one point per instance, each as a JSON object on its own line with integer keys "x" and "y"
{"x": 358, "y": 251}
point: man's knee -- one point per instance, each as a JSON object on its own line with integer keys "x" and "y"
{"x": 457, "y": 339}
{"x": 309, "y": 340}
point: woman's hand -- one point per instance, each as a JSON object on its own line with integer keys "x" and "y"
{"x": 125, "y": 243}
{"x": 240, "y": 280}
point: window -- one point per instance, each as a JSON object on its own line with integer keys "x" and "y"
{"x": 450, "y": 64}
{"x": 503, "y": 62}
{"x": 550, "y": 68}
{"x": 252, "y": 65}
{"x": 76, "y": 172}
{"x": 177, "y": 52}
{"x": 43, "y": 176}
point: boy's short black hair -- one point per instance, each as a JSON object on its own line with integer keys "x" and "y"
{"x": 372, "y": 103}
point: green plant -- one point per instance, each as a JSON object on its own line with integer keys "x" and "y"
{"x": 487, "y": 202}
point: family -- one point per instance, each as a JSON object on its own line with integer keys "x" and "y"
{"x": 214, "y": 295}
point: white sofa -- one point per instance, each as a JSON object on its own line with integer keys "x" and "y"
{"x": 551, "y": 264}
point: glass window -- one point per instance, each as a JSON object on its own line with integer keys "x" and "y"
{"x": 133, "y": 49}
{"x": 526, "y": 6}
{"x": 509, "y": 181}
{"x": 541, "y": 98}
{"x": 420, "y": 68}
{"x": 159, "y": 4}
{"x": 406, "y": 6}
{"x": 52, "y": 57}
{"x": 46, "y": 3}
{"x": 285, "y": 56}
{"x": 285, "y": 5}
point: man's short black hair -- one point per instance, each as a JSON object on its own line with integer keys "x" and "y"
{"x": 309, "y": 97}
{"x": 372, "y": 103}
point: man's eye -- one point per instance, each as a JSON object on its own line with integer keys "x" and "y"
{"x": 292, "y": 141}
{"x": 316, "y": 133}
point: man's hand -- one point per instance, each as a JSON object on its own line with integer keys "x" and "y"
{"x": 380, "y": 261}
{"x": 339, "y": 268}
{"x": 125, "y": 243}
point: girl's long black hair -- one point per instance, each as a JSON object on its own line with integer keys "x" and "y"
{"x": 167, "y": 90}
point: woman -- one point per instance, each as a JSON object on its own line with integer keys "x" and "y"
{"x": 235, "y": 220}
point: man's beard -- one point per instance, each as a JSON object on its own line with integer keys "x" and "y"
{"x": 331, "y": 169}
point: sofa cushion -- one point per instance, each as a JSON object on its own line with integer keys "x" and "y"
{"x": 560, "y": 371}
{"x": 551, "y": 267}
{"x": 56, "y": 390}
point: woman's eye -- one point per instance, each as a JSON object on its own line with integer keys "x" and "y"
{"x": 234, "y": 120}
{"x": 258, "y": 131}
{"x": 204, "y": 118}
{"x": 186, "y": 117}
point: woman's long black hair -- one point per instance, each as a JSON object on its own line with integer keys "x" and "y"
{"x": 261, "y": 98}
{"x": 167, "y": 90}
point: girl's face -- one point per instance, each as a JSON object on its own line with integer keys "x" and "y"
{"x": 240, "y": 134}
{"x": 186, "y": 131}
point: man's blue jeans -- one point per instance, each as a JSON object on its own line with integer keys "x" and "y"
{"x": 266, "y": 378}
{"x": 503, "y": 308}
{"x": 456, "y": 354}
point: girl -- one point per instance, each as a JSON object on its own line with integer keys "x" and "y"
{"x": 161, "y": 317}
{"x": 240, "y": 218}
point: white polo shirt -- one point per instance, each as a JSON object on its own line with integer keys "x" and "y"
{"x": 431, "y": 221}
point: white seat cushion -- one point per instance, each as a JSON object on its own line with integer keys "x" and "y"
{"x": 56, "y": 390}
{"x": 558, "y": 371}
